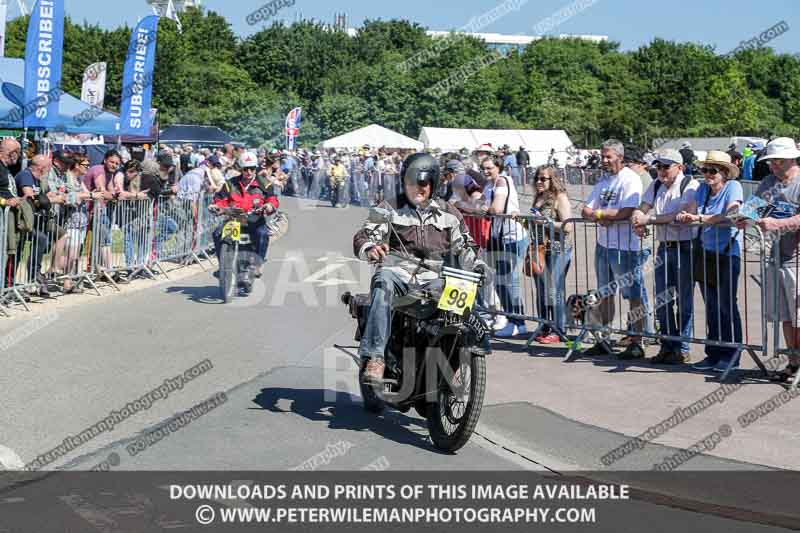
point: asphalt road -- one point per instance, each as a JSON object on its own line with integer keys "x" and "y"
{"x": 283, "y": 360}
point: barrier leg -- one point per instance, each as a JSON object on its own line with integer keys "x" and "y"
{"x": 110, "y": 279}
{"x": 758, "y": 362}
{"x": 138, "y": 271}
{"x": 161, "y": 268}
{"x": 572, "y": 347}
{"x": 729, "y": 368}
{"x": 533, "y": 336}
{"x": 19, "y": 298}
{"x": 192, "y": 259}
{"x": 88, "y": 279}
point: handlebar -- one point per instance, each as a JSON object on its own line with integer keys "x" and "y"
{"x": 443, "y": 271}
{"x": 238, "y": 211}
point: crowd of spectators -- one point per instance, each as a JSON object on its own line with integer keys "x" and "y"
{"x": 686, "y": 202}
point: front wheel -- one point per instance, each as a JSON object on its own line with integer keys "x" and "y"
{"x": 454, "y": 415}
{"x": 227, "y": 271}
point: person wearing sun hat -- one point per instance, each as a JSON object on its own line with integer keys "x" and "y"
{"x": 781, "y": 188}
{"x": 719, "y": 194}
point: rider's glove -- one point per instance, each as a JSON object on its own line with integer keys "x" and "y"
{"x": 483, "y": 270}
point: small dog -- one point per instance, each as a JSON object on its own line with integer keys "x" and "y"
{"x": 584, "y": 309}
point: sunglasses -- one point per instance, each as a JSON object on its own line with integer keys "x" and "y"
{"x": 541, "y": 180}
{"x": 662, "y": 166}
{"x": 710, "y": 170}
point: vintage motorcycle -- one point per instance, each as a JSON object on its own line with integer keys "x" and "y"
{"x": 238, "y": 260}
{"x": 435, "y": 355}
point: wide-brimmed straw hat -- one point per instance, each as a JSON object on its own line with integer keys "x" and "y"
{"x": 722, "y": 159}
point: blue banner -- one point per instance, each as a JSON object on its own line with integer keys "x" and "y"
{"x": 137, "y": 79}
{"x": 44, "y": 52}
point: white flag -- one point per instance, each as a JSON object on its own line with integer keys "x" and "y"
{"x": 93, "y": 91}
{"x": 3, "y": 13}
{"x": 173, "y": 14}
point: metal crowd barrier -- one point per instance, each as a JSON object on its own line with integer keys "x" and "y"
{"x": 174, "y": 231}
{"x": 783, "y": 296}
{"x": 4, "y": 214}
{"x": 122, "y": 238}
{"x": 375, "y": 185}
{"x": 92, "y": 242}
{"x": 662, "y": 273}
{"x": 529, "y": 264}
{"x": 649, "y": 292}
{"x": 57, "y": 247}
{"x": 207, "y": 222}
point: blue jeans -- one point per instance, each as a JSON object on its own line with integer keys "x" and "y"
{"x": 507, "y": 266}
{"x": 673, "y": 277}
{"x": 165, "y": 229}
{"x": 722, "y": 311}
{"x": 105, "y": 236}
{"x": 621, "y": 270}
{"x": 134, "y": 233}
{"x": 643, "y": 257}
{"x": 384, "y": 287}
{"x": 550, "y": 286}
{"x": 618, "y": 270}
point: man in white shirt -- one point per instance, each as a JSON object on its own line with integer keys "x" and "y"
{"x": 670, "y": 194}
{"x": 611, "y": 204}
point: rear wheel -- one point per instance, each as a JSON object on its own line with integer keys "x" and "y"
{"x": 454, "y": 415}
{"x": 227, "y": 271}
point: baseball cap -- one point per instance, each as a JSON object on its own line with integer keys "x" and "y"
{"x": 668, "y": 156}
{"x": 456, "y": 166}
{"x": 214, "y": 160}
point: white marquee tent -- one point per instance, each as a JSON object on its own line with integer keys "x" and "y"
{"x": 538, "y": 143}
{"x": 375, "y": 136}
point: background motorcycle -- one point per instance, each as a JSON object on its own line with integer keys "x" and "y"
{"x": 237, "y": 255}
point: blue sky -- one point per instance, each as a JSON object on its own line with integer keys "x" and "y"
{"x": 722, "y": 23}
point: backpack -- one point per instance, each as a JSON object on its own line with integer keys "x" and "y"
{"x": 684, "y": 184}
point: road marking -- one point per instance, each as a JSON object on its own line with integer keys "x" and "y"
{"x": 9, "y": 459}
{"x": 323, "y": 272}
{"x": 338, "y": 259}
{"x": 334, "y": 282}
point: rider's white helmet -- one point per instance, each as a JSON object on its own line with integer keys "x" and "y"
{"x": 248, "y": 160}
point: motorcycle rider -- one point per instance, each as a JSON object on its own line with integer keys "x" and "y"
{"x": 427, "y": 229}
{"x": 244, "y": 192}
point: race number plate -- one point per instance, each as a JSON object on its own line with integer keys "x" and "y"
{"x": 232, "y": 230}
{"x": 458, "y": 295}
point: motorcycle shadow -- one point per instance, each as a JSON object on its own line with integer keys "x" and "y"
{"x": 342, "y": 411}
{"x": 208, "y": 295}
